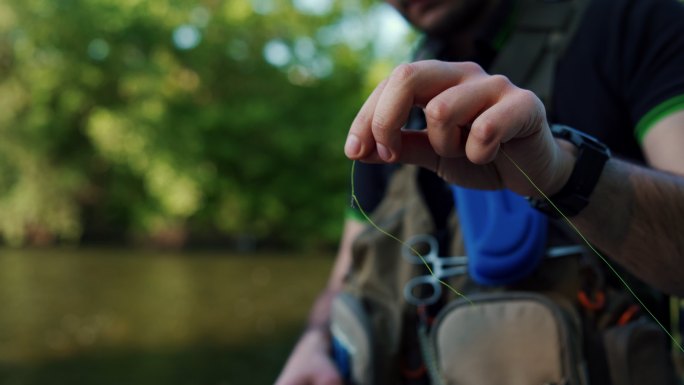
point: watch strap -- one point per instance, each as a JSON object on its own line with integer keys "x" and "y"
{"x": 592, "y": 156}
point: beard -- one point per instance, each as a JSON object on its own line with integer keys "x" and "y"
{"x": 461, "y": 16}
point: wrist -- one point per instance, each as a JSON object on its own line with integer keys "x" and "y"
{"x": 316, "y": 337}
{"x": 322, "y": 329}
{"x": 567, "y": 157}
{"x": 573, "y": 196}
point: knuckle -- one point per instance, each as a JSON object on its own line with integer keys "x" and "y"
{"x": 533, "y": 104}
{"x": 403, "y": 72}
{"x": 437, "y": 113}
{"x": 379, "y": 125}
{"x": 471, "y": 68}
{"x": 485, "y": 132}
{"x": 528, "y": 97}
{"x": 500, "y": 81}
{"x": 529, "y": 100}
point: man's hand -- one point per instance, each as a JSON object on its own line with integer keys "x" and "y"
{"x": 309, "y": 363}
{"x": 471, "y": 116}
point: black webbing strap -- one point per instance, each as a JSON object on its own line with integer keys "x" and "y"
{"x": 542, "y": 30}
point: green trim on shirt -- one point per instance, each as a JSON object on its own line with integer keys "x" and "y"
{"x": 657, "y": 113}
{"x": 506, "y": 30}
{"x": 355, "y": 214}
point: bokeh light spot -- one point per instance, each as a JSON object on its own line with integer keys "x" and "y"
{"x": 98, "y": 49}
{"x": 314, "y": 7}
{"x": 277, "y": 53}
{"x": 186, "y": 37}
{"x": 263, "y": 7}
{"x": 304, "y": 49}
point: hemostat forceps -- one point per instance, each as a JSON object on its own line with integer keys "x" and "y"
{"x": 442, "y": 267}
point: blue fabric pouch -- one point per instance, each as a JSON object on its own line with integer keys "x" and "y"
{"x": 504, "y": 237}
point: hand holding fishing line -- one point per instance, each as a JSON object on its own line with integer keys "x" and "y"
{"x": 470, "y": 116}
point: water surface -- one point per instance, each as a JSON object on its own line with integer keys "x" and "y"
{"x": 132, "y": 317}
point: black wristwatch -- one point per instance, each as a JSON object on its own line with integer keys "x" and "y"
{"x": 592, "y": 155}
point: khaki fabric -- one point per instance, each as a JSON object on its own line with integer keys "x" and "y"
{"x": 509, "y": 338}
{"x": 378, "y": 272}
{"x": 351, "y": 327}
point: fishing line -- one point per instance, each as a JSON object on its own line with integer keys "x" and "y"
{"x": 604, "y": 259}
{"x": 355, "y": 201}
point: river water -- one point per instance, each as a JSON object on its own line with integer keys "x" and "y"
{"x": 94, "y": 316}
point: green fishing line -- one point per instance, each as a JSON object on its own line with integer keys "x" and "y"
{"x": 604, "y": 259}
{"x": 355, "y": 201}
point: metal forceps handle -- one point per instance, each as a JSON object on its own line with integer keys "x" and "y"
{"x": 413, "y": 246}
{"x": 442, "y": 267}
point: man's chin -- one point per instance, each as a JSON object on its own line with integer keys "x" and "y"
{"x": 440, "y": 19}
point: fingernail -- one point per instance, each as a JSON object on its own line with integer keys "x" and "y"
{"x": 353, "y": 145}
{"x": 384, "y": 153}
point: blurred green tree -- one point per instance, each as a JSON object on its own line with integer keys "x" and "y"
{"x": 171, "y": 119}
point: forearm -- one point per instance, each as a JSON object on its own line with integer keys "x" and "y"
{"x": 635, "y": 217}
{"x": 319, "y": 317}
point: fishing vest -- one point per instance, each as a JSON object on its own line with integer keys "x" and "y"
{"x": 562, "y": 323}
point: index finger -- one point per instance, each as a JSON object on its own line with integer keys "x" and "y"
{"x": 408, "y": 85}
{"x": 360, "y": 142}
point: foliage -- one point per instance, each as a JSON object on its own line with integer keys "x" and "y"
{"x": 135, "y": 117}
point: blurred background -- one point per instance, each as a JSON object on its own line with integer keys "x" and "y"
{"x": 172, "y": 182}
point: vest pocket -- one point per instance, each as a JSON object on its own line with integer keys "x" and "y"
{"x": 508, "y": 338}
{"x": 637, "y": 354}
{"x": 353, "y": 342}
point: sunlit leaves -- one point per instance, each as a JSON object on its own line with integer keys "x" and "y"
{"x": 37, "y": 197}
{"x": 179, "y": 193}
{"x": 218, "y": 116}
{"x": 117, "y": 139}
